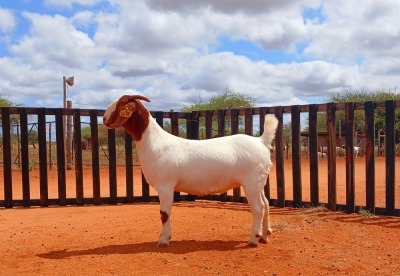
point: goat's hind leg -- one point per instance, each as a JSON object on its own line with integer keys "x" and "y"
{"x": 267, "y": 230}
{"x": 166, "y": 198}
{"x": 257, "y": 205}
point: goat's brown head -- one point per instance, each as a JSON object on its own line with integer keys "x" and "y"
{"x": 128, "y": 112}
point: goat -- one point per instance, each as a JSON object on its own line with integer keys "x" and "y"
{"x": 170, "y": 163}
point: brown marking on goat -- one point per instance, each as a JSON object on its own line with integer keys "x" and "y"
{"x": 258, "y": 236}
{"x": 164, "y": 217}
{"x": 138, "y": 122}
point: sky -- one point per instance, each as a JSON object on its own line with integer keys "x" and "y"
{"x": 177, "y": 52}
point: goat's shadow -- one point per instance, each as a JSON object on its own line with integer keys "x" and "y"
{"x": 176, "y": 247}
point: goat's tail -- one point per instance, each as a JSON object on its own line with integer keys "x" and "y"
{"x": 270, "y": 125}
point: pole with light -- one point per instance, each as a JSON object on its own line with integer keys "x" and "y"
{"x": 68, "y": 105}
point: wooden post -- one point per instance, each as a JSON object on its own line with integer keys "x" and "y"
{"x": 69, "y": 138}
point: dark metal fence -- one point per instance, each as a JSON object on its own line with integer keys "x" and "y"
{"x": 205, "y": 125}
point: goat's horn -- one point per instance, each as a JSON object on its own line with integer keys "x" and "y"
{"x": 139, "y": 97}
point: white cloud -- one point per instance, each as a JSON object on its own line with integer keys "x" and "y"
{"x": 166, "y": 50}
{"x": 7, "y": 20}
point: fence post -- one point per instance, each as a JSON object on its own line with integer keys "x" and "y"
{"x": 94, "y": 134}
{"x": 390, "y": 151}
{"x": 8, "y": 196}
{"x": 175, "y": 131}
{"x": 25, "y": 157}
{"x": 313, "y": 154}
{"x": 129, "y": 168}
{"x": 78, "y": 157}
{"x": 112, "y": 166}
{"x": 60, "y": 157}
{"x": 350, "y": 174}
{"x": 370, "y": 156}
{"x": 221, "y": 132}
{"x": 280, "y": 170}
{"x": 235, "y": 130}
{"x": 263, "y": 112}
{"x": 208, "y": 119}
{"x": 331, "y": 118}
{"x": 296, "y": 157}
{"x": 44, "y": 194}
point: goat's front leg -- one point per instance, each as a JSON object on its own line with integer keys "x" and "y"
{"x": 166, "y": 198}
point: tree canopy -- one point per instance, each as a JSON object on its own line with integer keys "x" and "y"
{"x": 359, "y": 115}
{"x": 228, "y": 99}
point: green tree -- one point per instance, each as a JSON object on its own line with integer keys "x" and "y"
{"x": 4, "y": 102}
{"x": 227, "y": 100}
{"x": 360, "y": 96}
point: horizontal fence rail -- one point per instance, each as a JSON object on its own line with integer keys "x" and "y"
{"x": 39, "y": 134}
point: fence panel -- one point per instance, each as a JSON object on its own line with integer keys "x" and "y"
{"x": 28, "y": 152}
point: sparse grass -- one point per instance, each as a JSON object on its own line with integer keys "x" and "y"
{"x": 280, "y": 225}
{"x": 31, "y": 165}
{"x": 315, "y": 209}
{"x": 366, "y": 214}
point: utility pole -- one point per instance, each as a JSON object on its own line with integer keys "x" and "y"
{"x": 67, "y": 122}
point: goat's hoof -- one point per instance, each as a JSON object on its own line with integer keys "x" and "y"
{"x": 263, "y": 240}
{"x": 252, "y": 243}
{"x": 163, "y": 244}
{"x": 268, "y": 232}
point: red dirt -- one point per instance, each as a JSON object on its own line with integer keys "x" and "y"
{"x": 208, "y": 237}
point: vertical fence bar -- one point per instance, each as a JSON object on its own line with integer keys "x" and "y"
{"x": 192, "y": 127}
{"x": 129, "y": 168}
{"x": 25, "y": 157}
{"x": 235, "y": 130}
{"x": 248, "y": 123}
{"x": 350, "y": 174}
{"x": 145, "y": 189}
{"x": 175, "y": 131}
{"x": 313, "y": 154}
{"x": 370, "y": 156}
{"x": 221, "y": 132}
{"x": 8, "y": 196}
{"x": 62, "y": 194}
{"x": 77, "y": 136}
{"x": 390, "y": 158}
{"x": 263, "y": 112}
{"x": 44, "y": 193}
{"x": 94, "y": 131}
{"x": 208, "y": 119}
{"x": 195, "y": 125}
{"x": 280, "y": 169}
{"x": 296, "y": 157}
{"x": 221, "y": 123}
{"x": 112, "y": 166}
{"x": 331, "y": 124}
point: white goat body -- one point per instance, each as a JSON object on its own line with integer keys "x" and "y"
{"x": 198, "y": 167}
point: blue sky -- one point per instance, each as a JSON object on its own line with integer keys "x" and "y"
{"x": 175, "y": 52}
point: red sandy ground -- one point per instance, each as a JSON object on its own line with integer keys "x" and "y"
{"x": 209, "y": 238}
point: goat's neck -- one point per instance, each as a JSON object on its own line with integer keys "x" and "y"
{"x": 152, "y": 137}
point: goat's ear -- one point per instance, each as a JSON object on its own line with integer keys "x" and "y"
{"x": 127, "y": 110}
